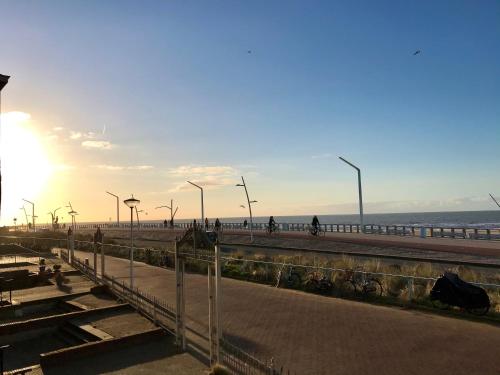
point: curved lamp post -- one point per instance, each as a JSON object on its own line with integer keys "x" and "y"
{"x": 360, "y": 193}
{"x": 32, "y": 212}
{"x": 202, "y": 206}
{"x": 25, "y": 215}
{"x": 249, "y": 206}
{"x": 117, "y": 207}
{"x": 131, "y": 203}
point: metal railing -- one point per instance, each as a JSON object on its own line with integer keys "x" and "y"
{"x": 458, "y": 232}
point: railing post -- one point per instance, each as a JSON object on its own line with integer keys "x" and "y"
{"x": 95, "y": 262}
{"x": 103, "y": 268}
{"x": 180, "y": 308}
{"x": 211, "y": 314}
{"x": 218, "y": 301}
{"x": 410, "y": 289}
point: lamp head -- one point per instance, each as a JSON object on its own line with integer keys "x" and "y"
{"x": 132, "y": 202}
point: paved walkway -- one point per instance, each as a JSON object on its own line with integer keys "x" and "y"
{"x": 316, "y": 335}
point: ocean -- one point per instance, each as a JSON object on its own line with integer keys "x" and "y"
{"x": 478, "y": 219}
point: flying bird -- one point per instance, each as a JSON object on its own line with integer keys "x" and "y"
{"x": 242, "y": 206}
{"x": 416, "y": 52}
{"x": 249, "y": 51}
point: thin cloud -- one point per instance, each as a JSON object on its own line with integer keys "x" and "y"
{"x": 195, "y": 170}
{"x": 211, "y": 177}
{"x": 325, "y": 155}
{"x": 98, "y": 145}
{"x": 122, "y": 167}
{"x": 75, "y": 135}
{"x": 57, "y": 128}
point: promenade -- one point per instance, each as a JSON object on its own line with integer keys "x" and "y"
{"x": 315, "y": 335}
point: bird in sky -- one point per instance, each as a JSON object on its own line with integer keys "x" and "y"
{"x": 249, "y": 51}
{"x": 416, "y": 52}
{"x": 242, "y": 206}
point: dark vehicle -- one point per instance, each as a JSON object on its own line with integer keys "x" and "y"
{"x": 450, "y": 290}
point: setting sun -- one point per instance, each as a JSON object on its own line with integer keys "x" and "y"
{"x": 25, "y": 164}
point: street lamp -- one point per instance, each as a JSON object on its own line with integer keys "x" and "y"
{"x": 131, "y": 203}
{"x": 249, "y": 206}
{"x": 172, "y": 214}
{"x": 117, "y": 207}
{"x": 25, "y": 215}
{"x": 360, "y": 193}
{"x": 53, "y": 215}
{"x": 32, "y": 212}
{"x": 3, "y": 82}
{"x": 73, "y": 213}
{"x": 137, "y": 214}
{"x": 202, "y": 206}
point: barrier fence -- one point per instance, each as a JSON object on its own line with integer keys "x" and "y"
{"x": 163, "y": 314}
{"x": 458, "y": 232}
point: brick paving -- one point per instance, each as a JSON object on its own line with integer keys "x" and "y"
{"x": 312, "y": 334}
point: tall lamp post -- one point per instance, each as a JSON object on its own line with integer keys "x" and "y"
{"x": 25, "y": 215}
{"x": 32, "y": 212}
{"x": 131, "y": 203}
{"x": 117, "y": 207}
{"x": 3, "y": 82}
{"x": 360, "y": 193}
{"x": 202, "y": 206}
{"x": 249, "y": 206}
{"x": 172, "y": 213}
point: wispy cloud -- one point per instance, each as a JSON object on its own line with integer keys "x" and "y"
{"x": 204, "y": 175}
{"x": 122, "y": 167}
{"x": 57, "y": 128}
{"x": 325, "y": 155}
{"x": 197, "y": 170}
{"x": 98, "y": 145}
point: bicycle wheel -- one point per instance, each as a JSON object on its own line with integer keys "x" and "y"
{"x": 373, "y": 288}
{"x": 347, "y": 288}
{"x": 478, "y": 311}
{"x": 311, "y": 285}
{"x": 294, "y": 281}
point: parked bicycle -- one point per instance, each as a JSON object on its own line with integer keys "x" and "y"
{"x": 319, "y": 282}
{"x": 291, "y": 278}
{"x": 358, "y": 282}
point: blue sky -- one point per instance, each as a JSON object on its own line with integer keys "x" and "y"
{"x": 177, "y": 92}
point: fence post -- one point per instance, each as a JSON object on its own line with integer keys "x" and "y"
{"x": 218, "y": 301}
{"x": 103, "y": 269}
{"x": 210, "y": 313}
{"x": 179, "y": 299}
{"x": 95, "y": 262}
{"x": 410, "y": 289}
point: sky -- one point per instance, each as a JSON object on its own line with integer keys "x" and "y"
{"x": 136, "y": 97}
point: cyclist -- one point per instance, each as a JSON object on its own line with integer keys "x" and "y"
{"x": 315, "y": 226}
{"x": 272, "y": 224}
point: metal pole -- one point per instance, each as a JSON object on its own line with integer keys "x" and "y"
{"x": 249, "y": 208}
{"x": 202, "y": 207}
{"x": 131, "y": 248}
{"x": 177, "y": 295}
{"x": 117, "y": 207}
{"x": 359, "y": 191}
{"x": 210, "y": 313}
{"x": 360, "y": 203}
{"x": 102, "y": 259}
{"x": 218, "y": 302}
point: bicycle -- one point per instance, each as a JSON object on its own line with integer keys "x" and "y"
{"x": 318, "y": 282}
{"x": 355, "y": 282}
{"x": 273, "y": 229}
{"x": 293, "y": 279}
{"x": 317, "y": 231}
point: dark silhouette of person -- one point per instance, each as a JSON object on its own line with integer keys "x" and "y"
{"x": 206, "y": 223}
{"x": 272, "y": 224}
{"x": 315, "y": 224}
{"x": 194, "y": 224}
{"x": 245, "y": 223}
{"x": 165, "y": 223}
{"x": 217, "y": 224}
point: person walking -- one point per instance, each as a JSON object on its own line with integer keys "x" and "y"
{"x": 315, "y": 226}
{"x": 206, "y": 223}
{"x": 217, "y": 224}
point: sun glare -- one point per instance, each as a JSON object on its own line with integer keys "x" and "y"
{"x": 25, "y": 165}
